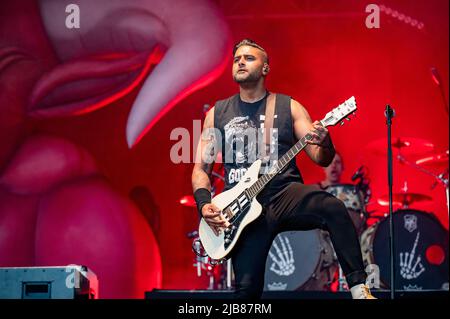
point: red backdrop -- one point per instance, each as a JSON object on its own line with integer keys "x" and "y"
{"x": 321, "y": 53}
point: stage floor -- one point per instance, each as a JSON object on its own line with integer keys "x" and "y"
{"x": 307, "y": 295}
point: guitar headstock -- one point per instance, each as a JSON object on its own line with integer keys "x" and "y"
{"x": 340, "y": 113}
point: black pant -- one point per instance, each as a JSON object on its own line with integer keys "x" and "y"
{"x": 296, "y": 207}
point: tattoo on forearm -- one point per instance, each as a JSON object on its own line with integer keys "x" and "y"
{"x": 200, "y": 179}
{"x": 206, "y": 155}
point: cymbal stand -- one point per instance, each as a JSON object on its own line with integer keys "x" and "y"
{"x": 229, "y": 270}
{"x": 341, "y": 280}
{"x": 439, "y": 178}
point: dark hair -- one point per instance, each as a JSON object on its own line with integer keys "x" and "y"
{"x": 250, "y": 43}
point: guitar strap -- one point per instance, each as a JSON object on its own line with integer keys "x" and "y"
{"x": 268, "y": 123}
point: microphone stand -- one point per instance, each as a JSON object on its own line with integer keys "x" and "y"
{"x": 389, "y": 113}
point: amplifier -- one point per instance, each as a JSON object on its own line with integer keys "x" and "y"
{"x": 56, "y": 282}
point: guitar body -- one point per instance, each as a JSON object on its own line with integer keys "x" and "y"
{"x": 219, "y": 246}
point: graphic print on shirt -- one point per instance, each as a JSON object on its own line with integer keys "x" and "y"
{"x": 242, "y": 140}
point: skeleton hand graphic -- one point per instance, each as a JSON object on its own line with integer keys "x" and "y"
{"x": 407, "y": 269}
{"x": 283, "y": 263}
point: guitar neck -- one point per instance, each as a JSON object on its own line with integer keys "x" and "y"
{"x": 259, "y": 185}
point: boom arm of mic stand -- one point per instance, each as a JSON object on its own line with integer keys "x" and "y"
{"x": 414, "y": 165}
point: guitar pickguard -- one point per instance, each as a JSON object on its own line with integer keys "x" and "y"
{"x": 240, "y": 209}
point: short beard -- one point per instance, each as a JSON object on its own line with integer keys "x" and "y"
{"x": 251, "y": 78}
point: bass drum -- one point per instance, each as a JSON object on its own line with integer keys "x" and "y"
{"x": 421, "y": 251}
{"x": 300, "y": 260}
{"x": 353, "y": 199}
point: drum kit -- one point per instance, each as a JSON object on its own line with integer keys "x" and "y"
{"x": 306, "y": 260}
{"x": 421, "y": 242}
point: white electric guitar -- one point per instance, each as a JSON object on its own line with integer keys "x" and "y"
{"x": 239, "y": 205}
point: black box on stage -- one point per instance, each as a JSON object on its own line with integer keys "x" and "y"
{"x": 58, "y": 282}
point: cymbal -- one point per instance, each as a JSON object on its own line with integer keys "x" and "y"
{"x": 434, "y": 160}
{"x": 404, "y": 199}
{"x": 188, "y": 201}
{"x": 403, "y": 145}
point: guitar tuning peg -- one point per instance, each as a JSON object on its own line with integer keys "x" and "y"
{"x": 342, "y": 123}
{"x": 347, "y": 119}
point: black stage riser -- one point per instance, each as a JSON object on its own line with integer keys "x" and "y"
{"x": 307, "y": 295}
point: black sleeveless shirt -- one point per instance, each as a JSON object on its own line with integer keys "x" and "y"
{"x": 241, "y": 124}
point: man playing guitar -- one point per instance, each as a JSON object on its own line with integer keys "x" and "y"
{"x": 287, "y": 203}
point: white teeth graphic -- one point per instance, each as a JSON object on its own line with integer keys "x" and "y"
{"x": 194, "y": 35}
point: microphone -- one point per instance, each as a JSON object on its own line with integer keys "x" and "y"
{"x": 437, "y": 80}
{"x": 435, "y": 76}
{"x": 192, "y": 234}
{"x": 389, "y": 112}
{"x": 358, "y": 173}
{"x": 440, "y": 178}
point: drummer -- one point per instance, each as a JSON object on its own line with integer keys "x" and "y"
{"x": 351, "y": 195}
{"x": 333, "y": 172}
